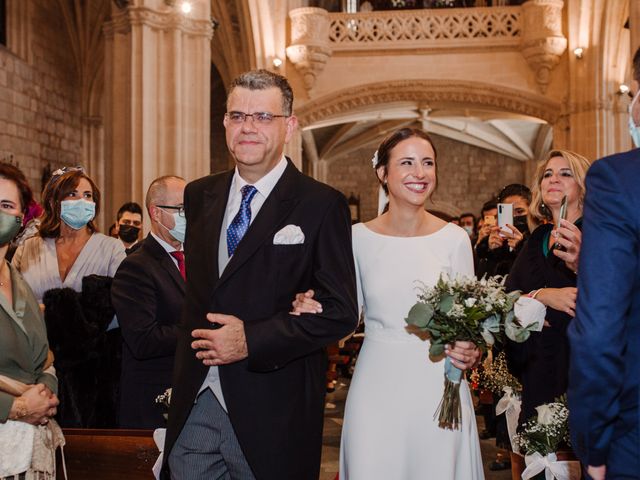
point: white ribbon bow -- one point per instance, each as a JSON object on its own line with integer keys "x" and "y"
{"x": 553, "y": 469}
{"x": 159, "y": 435}
{"x": 510, "y": 404}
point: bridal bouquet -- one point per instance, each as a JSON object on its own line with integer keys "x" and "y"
{"x": 478, "y": 311}
{"x": 540, "y": 438}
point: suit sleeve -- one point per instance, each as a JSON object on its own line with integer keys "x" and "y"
{"x": 598, "y": 332}
{"x": 282, "y": 338}
{"x": 134, "y": 297}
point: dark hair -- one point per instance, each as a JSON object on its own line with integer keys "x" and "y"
{"x": 636, "y": 66}
{"x": 14, "y": 174}
{"x": 515, "y": 189}
{"x": 490, "y": 205}
{"x": 262, "y": 80}
{"x": 131, "y": 207}
{"x": 55, "y": 192}
{"x": 392, "y": 140}
{"x": 468, "y": 214}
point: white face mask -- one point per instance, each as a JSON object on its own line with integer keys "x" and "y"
{"x": 634, "y": 130}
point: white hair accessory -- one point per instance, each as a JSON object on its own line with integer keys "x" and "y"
{"x": 374, "y": 160}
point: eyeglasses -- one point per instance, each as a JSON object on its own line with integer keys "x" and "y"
{"x": 261, "y": 118}
{"x": 179, "y": 208}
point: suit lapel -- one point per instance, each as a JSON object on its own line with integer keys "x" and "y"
{"x": 215, "y": 198}
{"x": 275, "y": 209}
{"x": 152, "y": 246}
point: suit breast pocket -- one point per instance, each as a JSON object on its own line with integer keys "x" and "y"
{"x": 290, "y": 261}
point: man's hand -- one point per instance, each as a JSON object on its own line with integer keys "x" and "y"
{"x": 221, "y": 346}
{"x": 597, "y": 473}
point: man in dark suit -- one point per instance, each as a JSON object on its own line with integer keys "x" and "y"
{"x": 147, "y": 294}
{"x": 256, "y": 236}
{"x": 604, "y": 383}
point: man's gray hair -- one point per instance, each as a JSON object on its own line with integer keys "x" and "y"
{"x": 262, "y": 80}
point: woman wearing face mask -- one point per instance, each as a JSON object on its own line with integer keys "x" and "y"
{"x": 28, "y": 384}
{"x": 503, "y": 246}
{"x": 67, "y": 256}
{"x": 68, "y": 246}
{"x": 546, "y": 269}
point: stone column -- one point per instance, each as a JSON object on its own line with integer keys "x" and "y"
{"x": 542, "y": 40}
{"x": 157, "y": 90}
{"x": 310, "y": 49}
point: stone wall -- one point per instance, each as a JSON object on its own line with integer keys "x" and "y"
{"x": 40, "y": 121}
{"x": 468, "y": 176}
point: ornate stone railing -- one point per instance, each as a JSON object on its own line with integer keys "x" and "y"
{"x": 426, "y": 29}
{"x": 535, "y": 29}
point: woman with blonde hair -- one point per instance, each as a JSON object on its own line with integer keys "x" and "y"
{"x": 546, "y": 269}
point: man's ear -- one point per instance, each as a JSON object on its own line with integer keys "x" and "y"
{"x": 292, "y": 126}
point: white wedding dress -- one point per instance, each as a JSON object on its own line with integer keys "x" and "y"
{"x": 389, "y": 431}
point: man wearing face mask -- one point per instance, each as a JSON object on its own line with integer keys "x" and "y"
{"x": 129, "y": 225}
{"x": 604, "y": 385}
{"x": 147, "y": 294}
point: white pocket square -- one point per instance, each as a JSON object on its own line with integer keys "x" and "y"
{"x": 289, "y": 235}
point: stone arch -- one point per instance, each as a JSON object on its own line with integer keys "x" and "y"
{"x": 431, "y": 93}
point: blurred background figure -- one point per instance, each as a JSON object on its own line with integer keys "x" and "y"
{"x": 468, "y": 222}
{"x": 69, "y": 266}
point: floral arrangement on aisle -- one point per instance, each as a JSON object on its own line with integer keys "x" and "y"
{"x": 540, "y": 439}
{"x": 478, "y": 311}
{"x": 159, "y": 434}
{"x": 496, "y": 377}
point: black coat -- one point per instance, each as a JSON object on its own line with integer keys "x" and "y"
{"x": 542, "y": 362}
{"x": 275, "y": 397}
{"x": 147, "y": 294}
{"x": 87, "y": 357}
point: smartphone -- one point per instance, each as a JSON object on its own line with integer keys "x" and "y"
{"x": 490, "y": 220}
{"x": 505, "y": 216}
{"x": 562, "y": 216}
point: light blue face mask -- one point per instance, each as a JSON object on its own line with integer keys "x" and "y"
{"x": 634, "y": 130}
{"x": 77, "y": 213}
{"x": 180, "y": 227}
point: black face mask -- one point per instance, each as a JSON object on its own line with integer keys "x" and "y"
{"x": 128, "y": 233}
{"x": 520, "y": 222}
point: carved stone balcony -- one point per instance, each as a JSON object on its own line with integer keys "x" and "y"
{"x": 534, "y": 29}
{"x": 426, "y": 29}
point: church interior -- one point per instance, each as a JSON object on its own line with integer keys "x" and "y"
{"x": 134, "y": 89}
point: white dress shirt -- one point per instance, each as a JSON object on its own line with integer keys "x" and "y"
{"x": 264, "y": 186}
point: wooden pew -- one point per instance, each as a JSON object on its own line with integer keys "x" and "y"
{"x": 108, "y": 454}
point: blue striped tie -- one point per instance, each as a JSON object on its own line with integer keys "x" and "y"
{"x": 241, "y": 221}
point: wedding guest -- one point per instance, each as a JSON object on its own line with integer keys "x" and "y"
{"x": 128, "y": 226}
{"x": 504, "y": 245}
{"x": 467, "y": 221}
{"x": 389, "y": 429}
{"x": 546, "y": 270}
{"x": 69, "y": 255}
{"x": 604, "y": 385}
{"x": 147, "y": 294}
{"x": 28, "y": 385}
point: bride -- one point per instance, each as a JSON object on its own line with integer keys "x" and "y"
{"x": 389, "y": 428}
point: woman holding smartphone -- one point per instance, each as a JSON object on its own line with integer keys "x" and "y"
{"x": 546, "y": 269}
